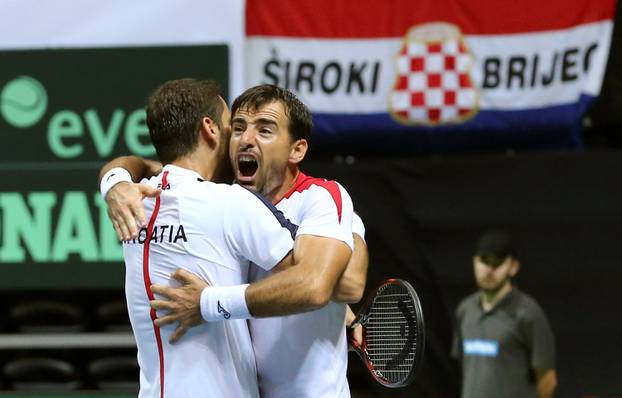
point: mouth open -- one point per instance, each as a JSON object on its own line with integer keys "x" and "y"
{"x": 247, "y": 168}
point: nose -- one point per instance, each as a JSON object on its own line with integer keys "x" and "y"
{"x": 486, "y": 269}
{"x": 247, "y": 139}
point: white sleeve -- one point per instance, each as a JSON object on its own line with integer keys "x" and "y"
{"x": 256, "y": 230}
{"x": 357, "y": 226}
{"x": 327, "y": 212}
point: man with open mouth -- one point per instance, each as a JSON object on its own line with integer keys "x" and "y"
{"x": 302, "y": 355}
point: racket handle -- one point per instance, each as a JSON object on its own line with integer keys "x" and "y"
{"x": 355, "y": 335}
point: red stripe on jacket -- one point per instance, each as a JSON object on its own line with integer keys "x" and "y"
{"x": 303, "y": 182}
{"x": 147, "y": 280}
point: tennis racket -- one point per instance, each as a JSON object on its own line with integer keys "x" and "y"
{"x": 393, "y": 333}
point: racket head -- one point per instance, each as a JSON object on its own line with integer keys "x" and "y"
{"x": 393, "y": 333}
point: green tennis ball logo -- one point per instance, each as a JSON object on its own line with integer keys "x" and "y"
{"x": 23, "y": 102}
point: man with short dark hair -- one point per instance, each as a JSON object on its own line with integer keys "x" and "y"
{"x": 502, "y": 337}
{"x": 174, "y": 111}
{"x": 301, "y": 355}
{"x": 203, "y": 226}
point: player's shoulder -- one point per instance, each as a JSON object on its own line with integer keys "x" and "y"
{"x": 195, "y": 194}
{"x": 193, "y": 186}
{"x": 470, "y": 301}
{"x": 240, "y": 198}
{"x": 152, "y": 181}
{"x": 309, "y": 188}
{"x": 468, "y": 305}
{"x": 328, "y": 184}
{"x": 526, "y": 305}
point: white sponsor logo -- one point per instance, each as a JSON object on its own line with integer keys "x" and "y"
{"x": 484, "y": 348}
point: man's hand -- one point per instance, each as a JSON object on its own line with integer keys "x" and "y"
{"x": 546, "y": 382}
{"x": 357, "y": 333}
{"x": 125, "y": 207}
{"x": 183, "y": 303}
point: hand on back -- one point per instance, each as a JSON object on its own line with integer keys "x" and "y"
{"x": 125, "y": 207}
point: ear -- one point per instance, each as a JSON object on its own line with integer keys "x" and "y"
{"x": 514, "y": 267}
{"x": 209, "y": 131}
{"x": 298, "y": 151}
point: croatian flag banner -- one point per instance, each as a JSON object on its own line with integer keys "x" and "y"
{"x": 433, "y": 66}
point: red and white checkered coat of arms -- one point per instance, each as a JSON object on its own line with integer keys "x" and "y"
{"x": 433, "y": 84}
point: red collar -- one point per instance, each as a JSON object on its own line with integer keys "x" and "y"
{"x": 300, "y": 179}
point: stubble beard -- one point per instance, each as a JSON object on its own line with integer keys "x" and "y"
{"x": 490, "y": 288}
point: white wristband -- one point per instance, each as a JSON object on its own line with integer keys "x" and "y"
{"x": 224, "y": 303}
{"x": 112, "y": 178}
{"x": 357, "y": 226}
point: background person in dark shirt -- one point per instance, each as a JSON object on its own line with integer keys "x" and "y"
{"x": 502, "y": 338}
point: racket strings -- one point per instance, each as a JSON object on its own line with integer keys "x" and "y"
{"x": 391, "y": 333}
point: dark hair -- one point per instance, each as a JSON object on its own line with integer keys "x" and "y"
{"x": 494, "y": 246}
{"x": 298, "y": 115}
{"x": 174, "y": 114}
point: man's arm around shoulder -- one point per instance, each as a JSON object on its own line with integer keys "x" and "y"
{"x": 307, "y": 286}
{"x": 124, "y": 199}
{"x": 138, "y": 167}
{"x": 302, "y": 284}
{"x": 351, "y": 284}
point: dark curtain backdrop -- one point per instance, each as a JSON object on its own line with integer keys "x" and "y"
{"x": 565, "y": 211}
